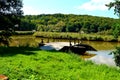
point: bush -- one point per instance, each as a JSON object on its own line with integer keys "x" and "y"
{"x": 116, "y": 54}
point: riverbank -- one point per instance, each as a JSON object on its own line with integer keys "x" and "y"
{"x": 76, "y": 36}
{"x": 32, "y": 63}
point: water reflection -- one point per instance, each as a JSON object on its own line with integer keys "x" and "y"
{"x": 33, "y": 41}
{"x": 102, "y": 57}
{"x": 100, "y": 45}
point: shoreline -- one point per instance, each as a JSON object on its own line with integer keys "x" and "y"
{"x": 100, "y": 57}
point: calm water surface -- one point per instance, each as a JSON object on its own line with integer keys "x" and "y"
{"x": 32, "y": 41}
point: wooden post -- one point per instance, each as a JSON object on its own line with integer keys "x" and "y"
{"x": 48, "y": 40}
{"x": 3, "y": 77}
{"x": 70, "y": 42}
{"x": 74, "y": 41}
{"x": 42, "y": 41}
{"x": 78, "y": 41}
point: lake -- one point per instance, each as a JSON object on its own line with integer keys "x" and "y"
{"x": 33, "y": 41}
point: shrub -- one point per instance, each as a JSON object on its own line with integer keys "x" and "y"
{"x": 116, "y": 54}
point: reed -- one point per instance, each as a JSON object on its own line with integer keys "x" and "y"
{"x": 66, "y": 35}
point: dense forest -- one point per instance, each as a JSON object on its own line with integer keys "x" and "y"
{"x": 67, "y": 23}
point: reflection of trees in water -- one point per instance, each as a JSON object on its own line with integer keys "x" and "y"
{"x": 24, "y": 41}
{"x": 99, "y": 45}
{"x": 32, "y": 41}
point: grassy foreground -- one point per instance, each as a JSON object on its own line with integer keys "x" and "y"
{"x": 23, "y": 63}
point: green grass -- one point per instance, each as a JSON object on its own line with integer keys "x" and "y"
{"x": 23, "y": 63}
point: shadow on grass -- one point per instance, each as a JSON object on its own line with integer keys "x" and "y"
{"x": 11, "y": 51}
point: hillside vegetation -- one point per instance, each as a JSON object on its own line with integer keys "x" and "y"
{"x": 67, "y": 23}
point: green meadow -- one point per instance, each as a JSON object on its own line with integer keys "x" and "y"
{"x": 28, "y": 63}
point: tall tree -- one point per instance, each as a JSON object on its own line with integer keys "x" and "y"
{"x": 116, "y": 6}
{"x": 116, "y": 30}
{"x": 10, "y": 13}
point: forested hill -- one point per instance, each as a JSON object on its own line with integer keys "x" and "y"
{"x": 67, "y": 23}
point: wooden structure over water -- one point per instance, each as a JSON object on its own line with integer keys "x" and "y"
{"x": 78, "y": 48}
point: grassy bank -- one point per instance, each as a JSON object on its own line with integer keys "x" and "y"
{"x": 88, "y": 37}
{"x": 23, "y": 63}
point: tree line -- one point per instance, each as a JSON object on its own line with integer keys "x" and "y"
{"x": 67, "y": 23}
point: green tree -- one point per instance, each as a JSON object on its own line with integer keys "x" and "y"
{"x": 27, "y": 25}
{"x": 10, "y": 13}
{"x": 116, "y": 6}
{"x": 116, "y": 31}
{"x": 59, "y": 26}
{"x": 68, "y": 23}
{"x": 116, "y": 54}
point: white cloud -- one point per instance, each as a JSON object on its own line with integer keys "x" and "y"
{"x": 30, "y": 10}
{"x": 93, "y": 5}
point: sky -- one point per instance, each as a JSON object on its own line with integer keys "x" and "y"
{"x": 78, "y": 7}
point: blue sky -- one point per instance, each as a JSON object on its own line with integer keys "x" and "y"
{"x": 79, "y": 7}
